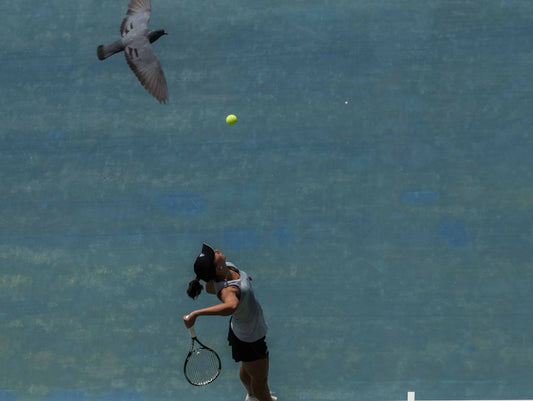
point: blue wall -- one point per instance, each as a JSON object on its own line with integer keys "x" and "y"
{"x": 377, "y": 187}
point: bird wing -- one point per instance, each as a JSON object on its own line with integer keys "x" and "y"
{"x": 139, "y": 53}
{"x": 137, "y": 18}
{"x": 146, "y": 66}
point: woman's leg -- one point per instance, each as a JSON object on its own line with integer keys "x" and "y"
{"x": 245, "y": 379}
{"x": 257, "y": 371}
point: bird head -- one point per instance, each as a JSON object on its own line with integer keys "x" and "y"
{"x": 154, "y": 35}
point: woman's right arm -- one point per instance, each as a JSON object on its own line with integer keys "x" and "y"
{"x": 230, "y": 301}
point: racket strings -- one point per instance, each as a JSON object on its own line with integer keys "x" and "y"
{"x": 202, "y": 367}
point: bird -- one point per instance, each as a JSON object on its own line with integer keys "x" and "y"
{"x": 136, "y": 42}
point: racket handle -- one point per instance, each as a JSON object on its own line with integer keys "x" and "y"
{"x": 193, "y": 333}
{"x": 191, "y": 329}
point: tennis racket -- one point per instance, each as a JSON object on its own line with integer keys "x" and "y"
{"x": 202, "y": 365}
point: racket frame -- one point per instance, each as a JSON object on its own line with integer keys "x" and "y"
{"x": 194, "y": 339}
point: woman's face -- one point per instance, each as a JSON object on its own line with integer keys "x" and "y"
{"x": 220, "y": 258}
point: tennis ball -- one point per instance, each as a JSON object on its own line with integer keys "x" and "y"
{"x": 231, "y": 119}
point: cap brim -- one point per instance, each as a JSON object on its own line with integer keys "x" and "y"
{"x": 208, "y": 251}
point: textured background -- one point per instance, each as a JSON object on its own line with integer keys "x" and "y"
{"x": 377, "y": 187}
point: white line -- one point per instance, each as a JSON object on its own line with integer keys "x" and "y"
{"x": 411, "y": 397}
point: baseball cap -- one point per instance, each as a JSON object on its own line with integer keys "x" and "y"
{"x": 204, "y": 266}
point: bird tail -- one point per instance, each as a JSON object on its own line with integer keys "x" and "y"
{"x": 105, "y": 51}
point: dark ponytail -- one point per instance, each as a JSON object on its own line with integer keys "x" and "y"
{"x": 195, "y": 288}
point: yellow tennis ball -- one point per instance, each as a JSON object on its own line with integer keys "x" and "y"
{"x": 231, "y": 119}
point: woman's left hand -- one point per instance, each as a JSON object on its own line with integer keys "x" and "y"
{"x": 189, "y": 320}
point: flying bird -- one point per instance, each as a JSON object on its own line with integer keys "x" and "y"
{"x": 135, "y": 42}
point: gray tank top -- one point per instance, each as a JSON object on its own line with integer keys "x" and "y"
{"x": 247, "y": 321}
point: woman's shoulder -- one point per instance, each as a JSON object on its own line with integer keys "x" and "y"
{"x": 228, "y": 286}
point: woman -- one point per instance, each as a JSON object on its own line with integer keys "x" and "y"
{"x": 247, "y": 329}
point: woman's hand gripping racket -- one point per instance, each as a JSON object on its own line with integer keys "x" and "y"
{"x": 202, "y": 365}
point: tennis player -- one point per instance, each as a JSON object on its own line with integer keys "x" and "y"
{"x": 247, "y": 328}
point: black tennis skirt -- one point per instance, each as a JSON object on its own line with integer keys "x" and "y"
{"x": 242, "y": 351}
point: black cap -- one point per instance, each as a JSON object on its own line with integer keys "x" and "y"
{"x": 204, "y": 266}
